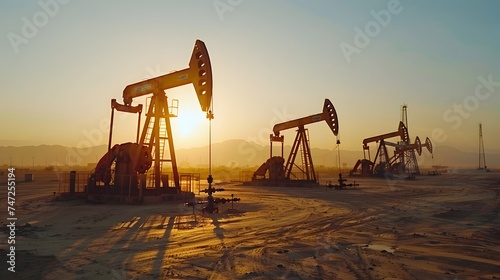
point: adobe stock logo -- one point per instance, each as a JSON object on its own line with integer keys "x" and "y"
{"x": 470, "y": 104}
{"x": 30, "y": 27}
{"x": 224, "y": 6}
{"x": 362, "y": 38}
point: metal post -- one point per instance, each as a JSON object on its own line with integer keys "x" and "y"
{"x": 338, "y": 152}
{"x": 111, "y": 124}
{"x": 270, "y": 147}
{"x": 138, "y": 126}
{"x": 210, "y": 198}
{"x": 282, "y": 144}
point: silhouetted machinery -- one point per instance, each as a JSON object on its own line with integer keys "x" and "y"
{"x": 122, "y": 170}
{"x": 385, "y": 165}
{"x": 275, "y": 170}
{"x": 211, "y": 205}
{"x": 342, "y": 184}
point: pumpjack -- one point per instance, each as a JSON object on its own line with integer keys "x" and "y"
{"x": 404, "y": 159}
{"x": 381, "y": 162}
{"x": 385, "y": 165}
{"x": 123, "y": 169}
{"x": 275, "y": 170}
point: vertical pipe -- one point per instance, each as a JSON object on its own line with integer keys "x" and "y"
{"x": 282, "y": 143}
{"x": 111, "y": 124}
{"x": 338, "y": 152}
{"x": 270, "y": 146}
{"x": 138, "y": 126}
{"x": 270, "y": 156}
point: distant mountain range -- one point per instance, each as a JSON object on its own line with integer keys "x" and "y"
{"x": 231, "y": 153}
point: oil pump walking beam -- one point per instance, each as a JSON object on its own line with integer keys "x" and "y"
{"x": 199, "y": 74}
{"x": 329, "y": 115}
{"x": 402, "y": 132}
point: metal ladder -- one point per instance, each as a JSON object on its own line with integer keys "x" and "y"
{"x": 305, "y": 154}
{"x": 162, "y": 139}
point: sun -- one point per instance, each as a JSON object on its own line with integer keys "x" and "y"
{"x": 188, "y": 125}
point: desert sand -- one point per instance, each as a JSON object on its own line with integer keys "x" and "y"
{"x": 436, "y": 227}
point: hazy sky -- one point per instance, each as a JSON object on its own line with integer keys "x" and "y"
{"x": 62, "y": 63}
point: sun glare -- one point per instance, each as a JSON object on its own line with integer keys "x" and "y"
{"x": 187, "y": 126}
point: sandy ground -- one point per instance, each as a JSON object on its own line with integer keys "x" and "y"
{"x": 436, "y": 227}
